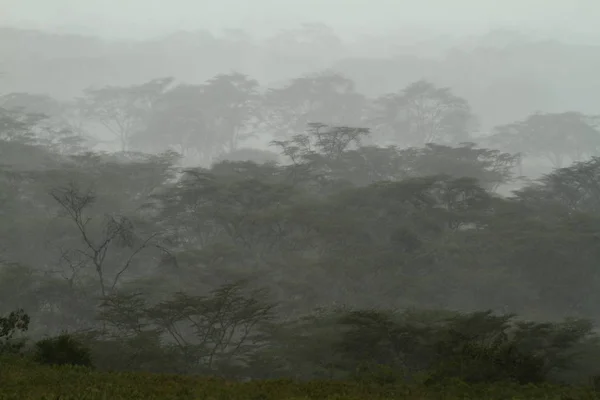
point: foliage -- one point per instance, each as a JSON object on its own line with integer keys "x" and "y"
{"x": 209, "y": 118}
{"x": 325, "y": 97}
{"x": 117, "y": 230}
{"x": 215, "y": 333}
{"x": 62, "y": 350}
{"x": 122, "y": 110}
{"x": 575, "y": 188}
{"x": 249, "y": 154}
{"x": 16, "y": 321}
{"x": 422, "y": 113}
{"x": 551, "y": 135}
{"x": 322, "y": 266}
{"x": 22, "y": 381}
{"x": 474, "y": 348}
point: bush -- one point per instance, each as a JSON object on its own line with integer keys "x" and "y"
{"x": 36, "y": 382}
{"x": 16, "y": 321}
{"x": 499, "y": 362}
{"x": 62, "y": 350}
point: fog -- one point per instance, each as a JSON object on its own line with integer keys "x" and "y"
{"x": 280, "y": 174}
{"x": 144, "y": 19}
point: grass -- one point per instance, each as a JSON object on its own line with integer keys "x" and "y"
{"x": 26, "y": 381}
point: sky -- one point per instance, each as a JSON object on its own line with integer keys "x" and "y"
{"x": 147, "y": 18}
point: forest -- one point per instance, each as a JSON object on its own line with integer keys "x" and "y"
{"x": 373, "y": 236}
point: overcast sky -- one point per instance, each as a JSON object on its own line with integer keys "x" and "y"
{"x": 143, "y": 18}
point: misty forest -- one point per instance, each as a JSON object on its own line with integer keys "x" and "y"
{"x": 301, "y": 207}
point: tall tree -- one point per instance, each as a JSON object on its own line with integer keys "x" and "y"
{"x": 576, "y": 188}
{"x": 554, "y": 136}
{"x": 33, "y": 104}
{"x": 207, "y": 119}
{"x": 327, "y": 97}
{"x": 422, "y": 113}
{"x": 231, "y": 104}
{"x": 491, "y": 168}
{"x": 41, "y": 119}
{"x": 16, "y": 126}
{"x": 123, "y": 110}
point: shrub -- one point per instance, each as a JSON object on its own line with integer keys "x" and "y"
{"x": 16, "y": 321}
{"x": 62, "y": 350}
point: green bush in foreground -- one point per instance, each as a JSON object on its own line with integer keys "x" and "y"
{"x": 62, "y": 350}
{"x": 16, "y": 321}
{"x": 23, "y": 380}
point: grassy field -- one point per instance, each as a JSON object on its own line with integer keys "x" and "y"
{"x": 23, "y": 381}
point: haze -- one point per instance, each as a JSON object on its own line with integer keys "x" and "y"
{"x": 306, "y": 190}
{"x": 146, "y": 18}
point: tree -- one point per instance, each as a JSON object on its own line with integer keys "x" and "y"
{"x": 224, "y": 325}
{"x": 575, "y": 188}
{"x": 326, "y": 98}
{"x": 329, "y": 141}
{"x": 550, "y": 135}
{"x": 29, "y": 125}
{"x": 15, "y": 321}
{"x": 249, "y": 154}
{"x": 321, "y": 152}
{"x": 422, "y": 113}
{"x": 211, "y": 333}
{"x": 59, "y": 288}
{"x": 38, "y": 104}
{"x": 226, "y": 216}
{"x": 210, "y": 118}
{"x": 114, "y": 231}
{"x": 123, "y": 110}
{"x": 491, "y": 168}
{"x": 338, "y": 152}
{"x": 16, "y": 126}
{"x": 177, "y": 119}
{"x": 231, "y": 106}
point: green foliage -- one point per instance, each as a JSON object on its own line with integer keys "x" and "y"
{"x": 22, "y": 381}
{"x": 215, "y": 333}
{"x": 16, "y": 321}
{"x": 148, "y": 260}
{"x": 378, "y": 374}
{"x": 62, "y": 350}
{"x": 551, "y": 135}
{"x": 475, "y": 348}
{"x": 497, "y": 362}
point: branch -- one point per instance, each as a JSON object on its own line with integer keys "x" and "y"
{"x": 128, "y": 262}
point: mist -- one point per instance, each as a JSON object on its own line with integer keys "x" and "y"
{"x": 144, "y": 19}
{"x": 352, "y": 191}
